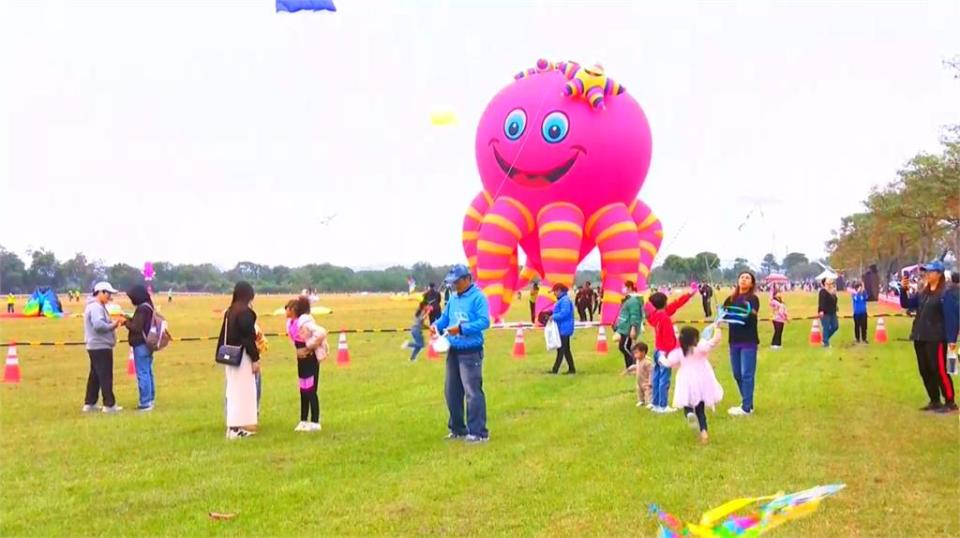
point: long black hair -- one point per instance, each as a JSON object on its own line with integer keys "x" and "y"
{"x": 139, "y": 295}
{"x": 689, "y": 338}
{"x": 243, "y": 294}
{"x": 736, "y": 287}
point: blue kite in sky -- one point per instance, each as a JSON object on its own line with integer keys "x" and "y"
{"x": 292, "y": 6}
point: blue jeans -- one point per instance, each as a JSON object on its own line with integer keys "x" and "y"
{"x": 143, "y": 361}
{"x": 743, "y": 362}
{"x": 464, "y": 379}
{"x": 660, "y": 380}
{"x": 417, "y": 344}
{"x": 830, "y": 326}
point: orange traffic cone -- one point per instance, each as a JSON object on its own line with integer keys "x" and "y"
{"x": 11, "y": 373}
{"x": 131, "y": 366}
{"x": 432, "y": 353}
{"x": 343, "y": 353}
{"x": 815, "y": 336}
{"x": 602, "y": 340}
{"x": 519, "y": 348}
{"x": 880, "y": 336}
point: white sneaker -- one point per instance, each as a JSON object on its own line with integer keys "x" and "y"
{"x": 301, "y": 427}
{"x": 641, "y": 404}
{"x": 89, "y": 408}
{"x": 774, "y": 347}
{"x": 657, "y": 409}
{"x": 114, "y": 409}
{"x": 313, "y": 426}
{"x": 692, "y": 422}
{"x": 669, "y": 409}
{"x": 405, "y": 344}
{"x": 650, "y": 406}
{"x": 738, "y": 412}
{"x": 239, "y": 434}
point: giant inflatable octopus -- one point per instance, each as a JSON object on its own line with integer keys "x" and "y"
{"x": 562, "y": 153}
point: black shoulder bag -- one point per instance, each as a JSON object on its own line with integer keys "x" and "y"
{"x": 227, "y": 354}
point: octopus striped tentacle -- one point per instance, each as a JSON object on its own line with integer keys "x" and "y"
{"x": 560, "y": 228}
{"x": 471, "y": 228}
{"x": 502, "y": 227}
{"x": 651, "y": 237}
{"x": 614, "y": 231}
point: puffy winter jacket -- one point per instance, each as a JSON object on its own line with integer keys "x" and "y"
{"x": 471, "y": 312}
{"x": 563, "y": 314}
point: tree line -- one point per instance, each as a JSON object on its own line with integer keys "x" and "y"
{"x": 43, "y": 269}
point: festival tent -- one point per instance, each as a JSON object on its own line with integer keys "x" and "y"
{"x": 43, "y": 302}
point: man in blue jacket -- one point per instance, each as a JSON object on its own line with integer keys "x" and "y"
{"x": 465, "y": 317}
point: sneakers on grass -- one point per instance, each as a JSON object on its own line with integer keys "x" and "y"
{"x": 738, "y": 412}
{"x": 112, "y": 409}
{"x": 692, "y": 422}
{"x": 302, "y": 426}
{"x": 454, "y": 437}
{"x": 313, "y": 426}
{"x": 239, "y": 433}
{"x": 476, "y": 439}
{"x": 668, "y": 410}
{"x": 148, "y": 407}
{"x": 87, "y": 408}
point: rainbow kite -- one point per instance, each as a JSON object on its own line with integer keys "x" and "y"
{"x": 723, "y": 522}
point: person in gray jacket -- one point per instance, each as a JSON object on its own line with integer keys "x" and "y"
{"x": 100, "y": 335}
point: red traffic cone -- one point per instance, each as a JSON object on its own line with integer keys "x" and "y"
{"x": 880, "y": 336}
{"x": 519, "y": 348}
{"x": 11, "y": 373}
{"x": 432, "y": 353}
{"x": 602, "y": 340}
{"x": 131, "y": 366}
{"x": 815, "y": 336}
{"x": 343, "y": 353}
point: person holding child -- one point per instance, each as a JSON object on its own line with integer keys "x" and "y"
{"x": 310, "y": 341}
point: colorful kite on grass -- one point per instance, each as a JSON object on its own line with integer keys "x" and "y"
{"x": 293, "y": 6}
{"x": 723, "y": 522}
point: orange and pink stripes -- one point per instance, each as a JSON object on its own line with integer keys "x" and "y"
{"x": 614, "y": 231}
{"x": 560, "y": 227}
{"x": 501, "y": 229}
{"x": 651, "y": 237}
{"x": 471, "y": 228}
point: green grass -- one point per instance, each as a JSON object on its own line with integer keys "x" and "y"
{"x": 569, "y": 456}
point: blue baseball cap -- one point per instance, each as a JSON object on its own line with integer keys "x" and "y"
{"x": 935, "y": 265}
{"x": 456, "y": 273}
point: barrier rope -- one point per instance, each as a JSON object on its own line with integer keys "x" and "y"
{"x": 511, "y": 326}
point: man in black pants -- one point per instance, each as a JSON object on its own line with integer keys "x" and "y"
{"x": 432, "y": 298}
{"x": 584, "y": 302}
{"x": 706, "y": 293}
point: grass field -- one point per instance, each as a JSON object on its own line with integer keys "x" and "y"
{"x": 569, "y": 455}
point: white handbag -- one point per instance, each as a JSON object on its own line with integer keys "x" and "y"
{"x": 441, "y": 344}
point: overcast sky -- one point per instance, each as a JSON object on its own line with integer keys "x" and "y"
{"x": 194, "y": 131}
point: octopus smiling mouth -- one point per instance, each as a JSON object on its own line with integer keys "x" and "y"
{"x": 538, "y": 178}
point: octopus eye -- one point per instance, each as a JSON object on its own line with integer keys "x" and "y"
{"x": 515, "y": 123}
{"x": 555, "y": 127}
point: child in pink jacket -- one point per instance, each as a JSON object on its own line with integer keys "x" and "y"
{"x": 780, "y": 318}
{"x": 697, "y": 385}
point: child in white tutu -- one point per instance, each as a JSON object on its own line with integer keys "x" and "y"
{"x": 696, "y": 385}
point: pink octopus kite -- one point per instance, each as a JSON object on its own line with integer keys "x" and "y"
{"x": 562, "y": 153}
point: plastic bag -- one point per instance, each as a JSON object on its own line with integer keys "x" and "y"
{"x": 551, "y": 333}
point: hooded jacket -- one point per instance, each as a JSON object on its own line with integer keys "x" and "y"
{"x": 563, "y": 314}
{"x": 471, "y": 312}
{"x": 98, "y": 329}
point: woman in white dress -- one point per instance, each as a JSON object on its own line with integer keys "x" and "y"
{"x": 239, "y": 329}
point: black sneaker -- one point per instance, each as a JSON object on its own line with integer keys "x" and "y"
{"x": 932, "y": 406}
{"x": 947, "y": 409}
